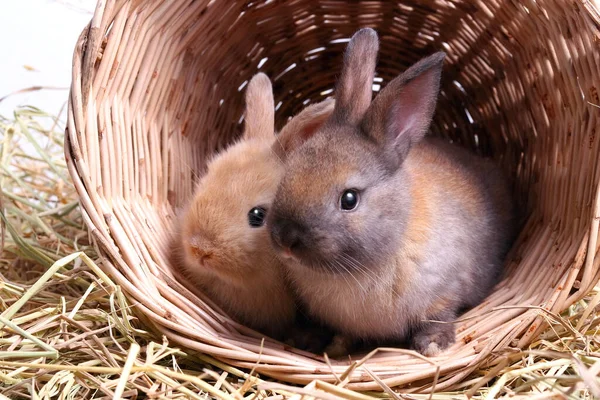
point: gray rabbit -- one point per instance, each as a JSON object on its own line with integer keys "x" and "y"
{"x": 386, "y": 233}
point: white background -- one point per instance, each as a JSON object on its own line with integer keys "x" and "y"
{"x": 40, "y": 34}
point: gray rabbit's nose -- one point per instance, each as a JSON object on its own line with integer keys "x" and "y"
{"x": 287, "y": 235}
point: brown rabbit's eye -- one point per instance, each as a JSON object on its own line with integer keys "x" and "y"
{"x": 349, "y": 199}
{"x": 256, "y": 217}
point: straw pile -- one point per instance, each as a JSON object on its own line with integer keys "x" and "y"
{"x": 69, "y": 332}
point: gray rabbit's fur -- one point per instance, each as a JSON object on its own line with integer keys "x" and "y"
{"x": 432, "y": 225}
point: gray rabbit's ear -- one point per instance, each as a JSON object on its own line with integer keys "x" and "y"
{"x": 260, "y": 108}
{"x": 354, "y": 88}
{"x": 401, "y": 114}
{"x": 302, "y": 126}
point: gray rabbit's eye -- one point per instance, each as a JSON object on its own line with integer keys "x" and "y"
{"x": 349, "y": 199}
{"x": 256, "y": 217}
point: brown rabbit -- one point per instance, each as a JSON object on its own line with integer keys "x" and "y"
{"x": 222, "y": 247}
{"x": 385, "y": 231}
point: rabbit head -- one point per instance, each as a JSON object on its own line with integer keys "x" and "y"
{"x": 342, "y": 201}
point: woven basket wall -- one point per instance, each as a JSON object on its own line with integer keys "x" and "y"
{"x": 158, "y": 86}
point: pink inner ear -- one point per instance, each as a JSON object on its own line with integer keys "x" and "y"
{"x": 310, "y": 129}
{"x": 401, "y": 120}
{"x": 412, "y": 110}
{"x": 291, "y": 142}
{"x": 302, "y": 127}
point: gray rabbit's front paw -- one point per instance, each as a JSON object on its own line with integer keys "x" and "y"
{"x": 434, "y": 337}
{"x": 340, "y": 346}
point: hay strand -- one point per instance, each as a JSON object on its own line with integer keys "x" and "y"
{"x": 74, "y": 309}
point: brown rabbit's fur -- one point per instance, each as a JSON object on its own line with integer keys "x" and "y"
{"x": 217, "y": 250}
{"x": 432, "y": 224}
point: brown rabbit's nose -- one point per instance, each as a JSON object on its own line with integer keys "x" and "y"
{"x": 198, "y": 248}
{"x": 200, "y": 254}
{"x": 287, "y": 235}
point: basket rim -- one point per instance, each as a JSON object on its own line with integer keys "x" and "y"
{"x": 101, "y": 219}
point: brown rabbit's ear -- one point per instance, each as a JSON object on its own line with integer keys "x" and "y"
{"x": 260, "y": 108}
{"x": 302, "y": 126}
{"x": 354, "y": 88}
{"x": 401, "y": 113}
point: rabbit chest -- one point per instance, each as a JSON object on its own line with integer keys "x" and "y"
{"x": 367, "y": 307}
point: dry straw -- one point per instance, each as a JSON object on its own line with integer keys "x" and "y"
{"x": 157, "y": 88}
{"x": 68, "y": 330}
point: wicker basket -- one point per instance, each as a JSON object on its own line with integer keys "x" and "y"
{"x": 158, "y": 86}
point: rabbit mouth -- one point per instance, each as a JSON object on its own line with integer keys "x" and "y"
{"x": 290, "y": 254}
{"x": 313, "y": 260}
{"x": 308, "y": 246}
{"x": 335, "y": 262}
{"x": 287, "y": 254}
{"x": 299, "y": 255}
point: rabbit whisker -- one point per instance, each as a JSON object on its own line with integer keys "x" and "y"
{"x": 359, "y": 267}
{"x": 366, "y": 272}
{"x": 282, "y": 148}
{"x": 348, "y": 271}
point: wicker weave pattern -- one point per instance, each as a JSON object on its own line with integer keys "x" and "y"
{"x": 158, "y": 86}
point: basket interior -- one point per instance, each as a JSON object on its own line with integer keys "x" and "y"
{"x": 167, "y": 92}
